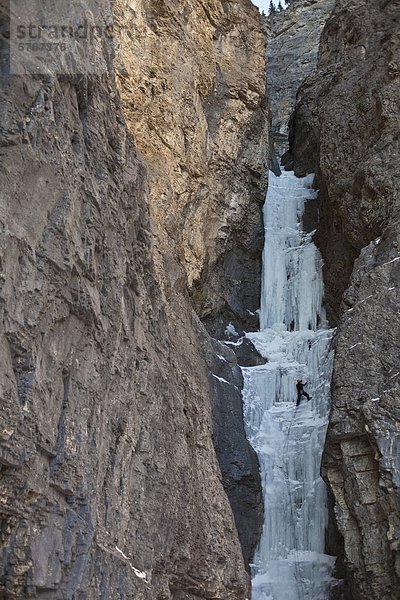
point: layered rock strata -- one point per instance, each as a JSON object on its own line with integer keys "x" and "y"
{"x": 192, "y": 82}
{"x": 347, "y": 125}
{"x": 292, "y": 53}
{"x": 110, "y": 485}
{"x": 237, "y": 459}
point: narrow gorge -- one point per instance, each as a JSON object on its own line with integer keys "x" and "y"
{"x": 161, "y": 294}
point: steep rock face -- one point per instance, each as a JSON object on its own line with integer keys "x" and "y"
{"x": 110, "y": 486}
{"x": 237, "y": 459}
{"x": 347, "y": 125}
{"x": 192, "y": 81}
{"x": 292, "y": 55}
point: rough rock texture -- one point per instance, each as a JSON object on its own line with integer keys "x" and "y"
{"x": 247, "y": 354}
{"x": 347, "y": 125}
{"x": 237, "y": 459}
{"x": 108, "y": 470}
{"x": 292, "y": 55}
{"x": 192, "y": 81}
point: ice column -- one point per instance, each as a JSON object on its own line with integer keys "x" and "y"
{"x": 290, "y": 563}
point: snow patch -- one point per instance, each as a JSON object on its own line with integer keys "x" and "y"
{"x": 230, "y": 330}
{"x": 390, "y": 261}
{"x": 139, "y": 574}
{"x": 238, "y": 343}
{"x": 224, "y": 381}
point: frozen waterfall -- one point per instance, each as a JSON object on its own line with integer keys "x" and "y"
{"x": 290, "y": 563}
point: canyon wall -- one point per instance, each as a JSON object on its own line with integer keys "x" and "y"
{"x": 192, "y": 83}
{"x": 110, "y": 483}
{"x": 346, "y": 127}
{"x": 292, "y": 53}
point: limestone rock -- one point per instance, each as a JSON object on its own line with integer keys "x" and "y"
{"x": 347, "y": 126}
{"x": 110, "y": 486}
{"x": 192, "y": 81}
{"x": 362, "y": 452}
{"x": 292, "y": 53}
{"x": 247, "y": 354}
{"x": 237, "y": 459}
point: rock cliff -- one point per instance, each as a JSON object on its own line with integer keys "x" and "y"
{"x": 192, "y": 82}
{"x": 347, "y": 127}
{"x": 110, "y": 484}
{"x": 292, "y": 52}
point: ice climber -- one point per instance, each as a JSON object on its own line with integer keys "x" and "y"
{"x": 300, "y": 391}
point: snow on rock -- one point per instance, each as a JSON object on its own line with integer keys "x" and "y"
{"x": 231, "y": 331}
{"x": 138, "y": 573}
{"x": 224, "y": 380}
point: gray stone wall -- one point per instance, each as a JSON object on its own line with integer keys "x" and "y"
{"x": 347, "y": 127}
{"x": 292, "y": 53}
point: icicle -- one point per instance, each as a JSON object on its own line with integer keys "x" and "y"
{"x": 290, "y": 563}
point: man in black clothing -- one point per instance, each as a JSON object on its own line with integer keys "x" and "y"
{"x": 300, "y": 391}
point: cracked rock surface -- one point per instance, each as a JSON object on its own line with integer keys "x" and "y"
{"x": 110, "y": 484}
{"x": 292, "y": 54}
{"x": 347, "y": 126}
{"x": 192, "y": 81}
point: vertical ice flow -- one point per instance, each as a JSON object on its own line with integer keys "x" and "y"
{"x": 290, "y": 563}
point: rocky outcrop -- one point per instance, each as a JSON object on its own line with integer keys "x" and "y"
{"x": 192, "y": 82}
{"x": 347, "y": 126}
{"x": 237, "y": 459}
{"x": 110, "y": 485}
{"x": 292, "y": 55}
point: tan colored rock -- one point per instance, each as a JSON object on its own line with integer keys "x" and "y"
{"x": 110, "y": 485}
{"x": 192, "y": 82}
